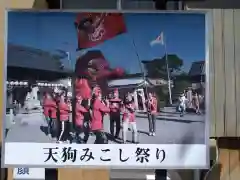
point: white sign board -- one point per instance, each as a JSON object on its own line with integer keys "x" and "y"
{"x": 29, "y": 173}
{"x": 116, "y": 155}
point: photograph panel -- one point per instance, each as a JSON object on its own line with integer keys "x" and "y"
{"x": 121, "y": 80}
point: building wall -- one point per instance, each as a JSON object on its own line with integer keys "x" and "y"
{"x": 224, "y": 64}
{"x": 224, "y": 68}
{"x": 225, "y": 92}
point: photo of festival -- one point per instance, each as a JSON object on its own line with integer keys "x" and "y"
{"x": 105, "y": 78}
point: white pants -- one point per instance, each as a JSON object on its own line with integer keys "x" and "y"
{"x": 182, "y": 107}
{"x": 63, "y": 130}
{"x": 133, "y": 126}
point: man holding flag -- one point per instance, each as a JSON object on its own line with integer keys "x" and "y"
{"x": 160, "y": 40}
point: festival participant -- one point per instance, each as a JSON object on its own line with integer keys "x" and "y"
{"x": 82, "y": 88}
{"x": 115, "y": 108}
{"x": 182, "y": 104}
{"x": 151, "y": 104}
{"x": 129, "y": 119}
{"x": 64, "y": 110}
{"x": 50, "y": 113}
{"x": 70, "y": 122}
{"x": 98, "y": 111}
{"x": 195, "y": 103}
{"x": 79, "y": 119}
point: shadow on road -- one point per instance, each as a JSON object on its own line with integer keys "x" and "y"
{"x": 44, "y": 129}
{"x": 171, "y": 119}
{"x": 143, "y": 132}
{"x": 111, "y": 138}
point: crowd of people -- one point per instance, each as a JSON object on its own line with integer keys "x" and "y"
{"x": 75, "y": 119}
{"x": 191, "y": 100}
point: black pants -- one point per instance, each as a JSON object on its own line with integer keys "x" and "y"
{"x": 50, "y": 128}
{"x": 101, "y": 137}
{"x": 79, "y": 134}
{"x": 86, "y": 125}
{"x": 82, "y": 133}
{"x": 152, "y": 122}
{"x": 6, "y": 132}
{"x": 115, "y": 118}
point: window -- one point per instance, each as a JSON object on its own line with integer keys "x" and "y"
{"x": 152, "y": 4}
{"x": 53, "y": 4}
{"x": 114, "y": 4}
{"x": 89, "y": 4}
{"x": 138, "y": 4}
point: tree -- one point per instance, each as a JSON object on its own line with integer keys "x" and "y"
{"x": 181, "y": 83}
{"x": 157, "y": 68}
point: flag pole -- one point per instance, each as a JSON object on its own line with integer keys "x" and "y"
{"x": 139, "y": 61}
{"x": 142, "y": 69}
{"x": 168, "y": 73}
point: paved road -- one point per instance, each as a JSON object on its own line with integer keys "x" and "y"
{"x": 171, "y": 129}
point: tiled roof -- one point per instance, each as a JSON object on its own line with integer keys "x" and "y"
{"x": 130, "y": 82}
{"x": 32, "y": 58}
{"x": 197, "y": 68}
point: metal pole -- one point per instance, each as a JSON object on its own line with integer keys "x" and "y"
{"x": 139, "y": 61}
{"x": 69, "y": 59}
{"x": 119, "y": 5}
{"x": 168, "y": 74}
{"x": 160, "y": 174}
{"x": 142, "y": 69}
{"x": 61, "y": 4}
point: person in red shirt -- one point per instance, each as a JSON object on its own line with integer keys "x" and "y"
{"x": 82, "y": 88}
{"x": 115, "y": 107}
{"x": 151, "y": 104}
{"x": 98, "y": 111}
{"x": 129, "y": 119}
{"x": 79, "y": 119}
{"x": 50, "y": 113}
{"x": 64, "y": 111}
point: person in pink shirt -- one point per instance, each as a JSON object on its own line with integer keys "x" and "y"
{"x": 64, "y": 111}
{"x": 98, "y": 111}
{"x": 129, "y": 119}
{"x": 115, "y": 108}
{"x": 151, "y": 104}
{"x": 79, "y": 119}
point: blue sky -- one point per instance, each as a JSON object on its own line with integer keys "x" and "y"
{"x": 185, "y": 36}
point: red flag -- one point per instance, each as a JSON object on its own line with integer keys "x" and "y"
{"x": 95, "y": 28}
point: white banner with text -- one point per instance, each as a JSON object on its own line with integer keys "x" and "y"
{"x": 114, "y": 155}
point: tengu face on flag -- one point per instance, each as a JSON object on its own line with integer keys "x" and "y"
{"x": 95, "y": 68}
{"x": 95, "y": 28}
